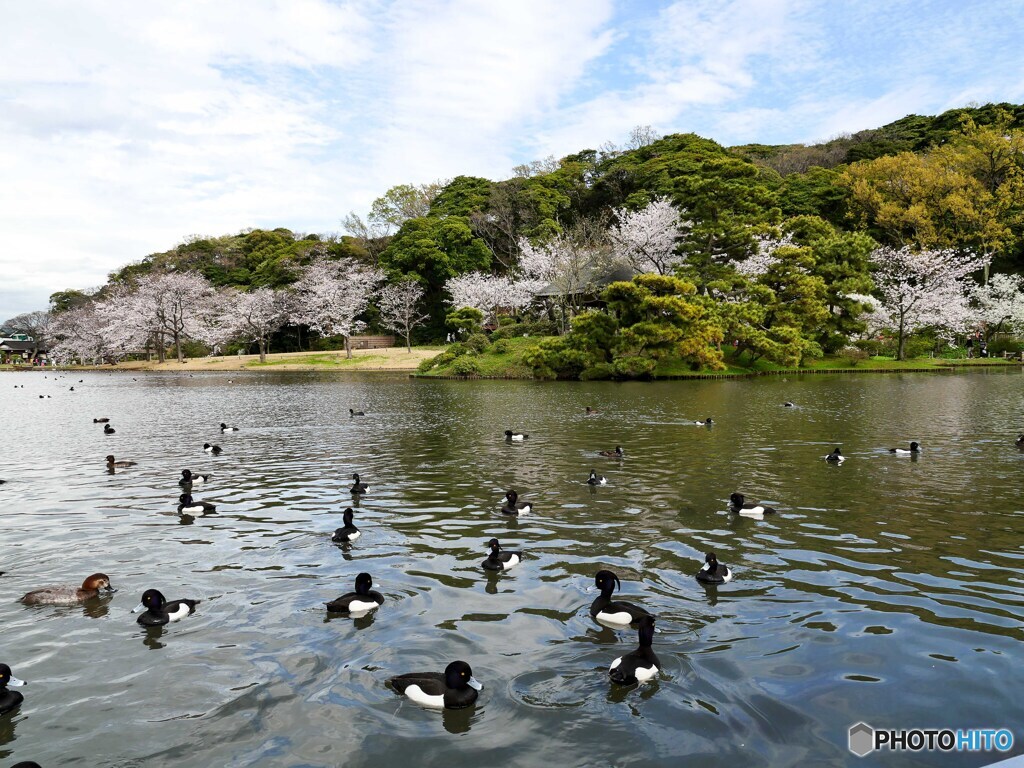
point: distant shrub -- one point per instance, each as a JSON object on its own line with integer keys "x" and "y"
{"x": 458, "y": 349}
{"x": 598, "y": 372}
{"x": 851, "y": 356}
{"x": 477, "y": 342}
{"x": 465, "y": 366}
{"x": 427, "y": 364}
{"x": 501, "y": 347}
{"x": 634, "y": 367}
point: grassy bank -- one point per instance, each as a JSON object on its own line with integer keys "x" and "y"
{"x": 505, "y": 361}
{"x": 389, "y": 359}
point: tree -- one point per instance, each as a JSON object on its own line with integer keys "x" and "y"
{"x": 255, "y": 316}
{"x": 79, "y": 335}
{"x": 403, "y": 202}
{"x": 399, "y": 308}
{"x": 999, "y": 303}
{"x": 925, "y": 288}
{"x": 480, "y": 291}
{"x": 646, "y": 239}
{"x": 178, "y": 299}
{"x": 35, "y": 324}
{"x": 331, "y": 295}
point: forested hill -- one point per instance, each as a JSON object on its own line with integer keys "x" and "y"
{"x": 954, "y": 180}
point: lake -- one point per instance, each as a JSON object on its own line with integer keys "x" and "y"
{"x": 888, "y": 589}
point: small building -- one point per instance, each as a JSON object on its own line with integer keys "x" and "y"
{"x": 19, "y": 348}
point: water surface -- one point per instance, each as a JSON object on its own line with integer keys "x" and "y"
{"x": 887, "y": 590}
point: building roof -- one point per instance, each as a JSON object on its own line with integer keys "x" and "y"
{"x": 10, "y": 345}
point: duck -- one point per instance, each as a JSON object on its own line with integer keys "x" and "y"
{"x": 515, "y": 507}
{"x": 361, "y": 601}
{"x": 186, "y": 504}
{"x": 352, "y": 413}
{"x": 187, "y": 478}
{"x": 1019, "y": 442}
{"x": 347, "y": 532}
{"x": 789, "y": 404}
{"x": 9, "y": 700}
{"x": 640, "y": 665}
{"x": 618, "y": 613}
{"x": 737, "y": 504}
{"x": 500, "y": 560}
{"x": 111, "y": 463}
{"x": 93, "y": 586}
{"x": 158, "y": 611}
{"x": 596, "y": 479}
{"x": 214, "y": 449}
{"x": 225, "y": 428}
{"x": 836, "y": 457}
{"x": 591, "y": 411}
{"x": 108, "y": 430}
{"x": 357, "y": 486}
{"x": 706, "y": 423}
{"x": 618, "y": 453}
{"x": 104, "y": 420}
{"x": 515, "y": 437}
{"x": 915, "y": 447}
{"x": 27, "y": 764}
{"x": 455, "y": 688}
{"x": 713, "y": 572}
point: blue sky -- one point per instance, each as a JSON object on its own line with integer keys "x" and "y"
{"x": 126, "y": 127}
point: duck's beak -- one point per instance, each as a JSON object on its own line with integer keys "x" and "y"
{"x": 139, "y": 608}
{"x": 16, "y": 682}
{"x": 475, "y": 684}
{"x": 109, "y": 589}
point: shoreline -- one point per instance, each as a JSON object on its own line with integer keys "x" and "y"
{"x": 396, "y": 360}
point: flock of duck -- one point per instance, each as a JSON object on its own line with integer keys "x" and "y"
{"x": 455, "y": 687}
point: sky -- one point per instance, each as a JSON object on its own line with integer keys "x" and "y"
{"x": 128, "y": 127}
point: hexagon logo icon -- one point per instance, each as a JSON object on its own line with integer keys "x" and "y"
{"x": 862, "y": 739}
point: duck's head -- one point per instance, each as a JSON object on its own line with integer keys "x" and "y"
{"x": 363, "y": 584}
{"x": 458, "y": 674}
{"x": 709, "y": 420}
{"x": 207, "y": 446}
{"x": 645, "y": 625}
{"x": 185, "y": 499}
{"x": 346, "y": 516}
{"x": 355, "y": 476}
{"x": 711, "y": 560}
{"x": 98, "y": 581}
{"x": 494, "y": 546}
{"x": 737, "y": 499}
{"x": 589, "y": 409}
{"x": 618, "y": 449}
{"x": 110, "y": 459}
{"x": 915, "y": 447}
{"x": 606, "y": 581}
{"x": 152, "y": 601}
{"x": 6, "y": 678}
{"x": 593, "y": 474}
{"x": 511, "y": 496}
{"x": 223, "y": 425}
{"x": 186, "y": 474}
{"x": 508, "y": 433}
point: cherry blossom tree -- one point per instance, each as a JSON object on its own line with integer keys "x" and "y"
{"x": 253, "y": 316}
{"x": 331, "y": 294}
{"x": 999, "y": 303}
{"x": 129, "y": 321}
{"x": 873, "y": 314}
{"x": 400, "y": 310}
{"x": 79, "y": 335}
{"x": 477, "y": 290}
{"x": 926, "y": 288}
{"x": 646, "y": 239}
{"x": 567, "y": 265}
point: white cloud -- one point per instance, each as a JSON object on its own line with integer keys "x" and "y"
{"x": 126, "y": 127}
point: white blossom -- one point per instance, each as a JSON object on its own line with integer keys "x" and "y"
{"x": 330, "y": 296}
{"x": 486, "y": 293}
{"x": 646, "y": 239}
{"x": 1000, "y": 303}
{"x": 922, "y": 289}
{"x": 399, "y": 308}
